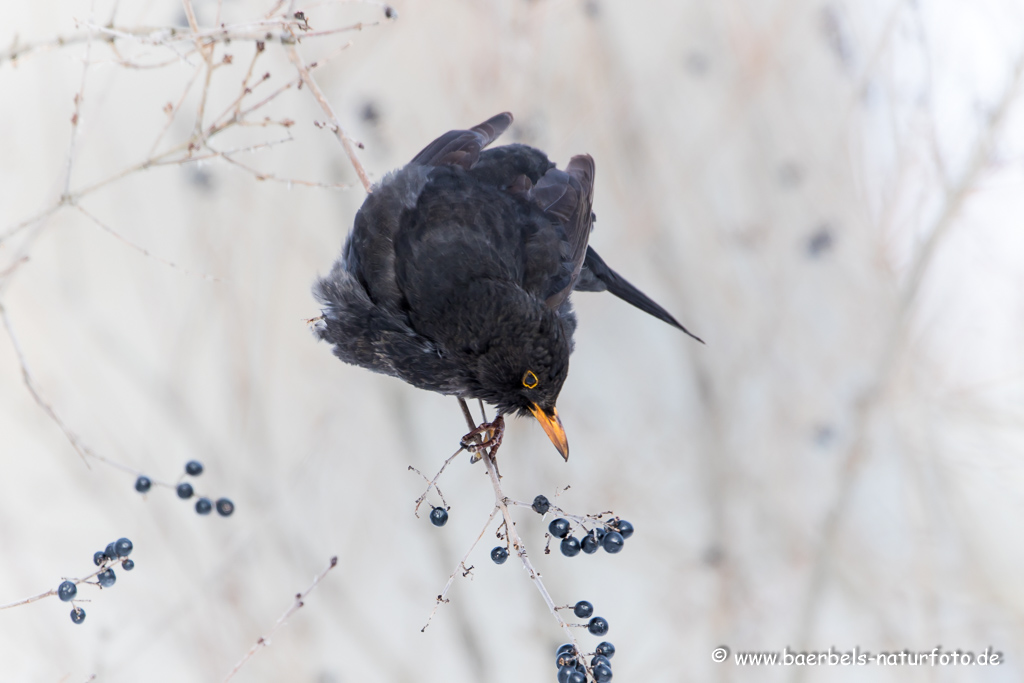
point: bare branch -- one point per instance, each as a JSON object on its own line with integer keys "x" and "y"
{"x": 264, "y": 641}
{"x": 346, "y": 142}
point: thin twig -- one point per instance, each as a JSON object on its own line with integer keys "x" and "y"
{"x": 461, "y": 566}
{"x": 103, "y": 567}
{"x": 516, "y": 543}
{"x": 145, "y": 252}
{"x": 432, "y": 483}
{"x": 30, "y": 384}
{"x": 264, "y": 641}
{"x": 75, "y": 117}
{"x": 346, "y": 143}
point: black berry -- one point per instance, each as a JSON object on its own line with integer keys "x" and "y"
{"x": 78, "y": 615}
{"x": 123, "y": 547}
{"x": 570, "y": 546}
{"x": 193, "y": 468}
{"x": 67, "y": 590}
{"x": 612, "y": 542}
{"x": 564, "y": 672}
{"x": 590, "y": 544}
{"x": 602, "y": 673}
{"x": 499, "y": 555}
{"x": 576, "y": 677}
{"x": 142, "y": 484}
{"x": 541, "y": 505}
{"x": 185, "y": 490}
{"x": 566, "y": 658}
{"x": 106, "y": 578}
{"x": 225, "y": 507}
{"x": 128, "y": 565}
{"x": 110, "y": 551}
{"x": 600, "y": 659}
{"x": 99, "y": 557}
{"x": 606, "y": 649}
{"x": 438, "y": 516}
{"x": 625, "y": 528}
{"x": 204, "y": 506}
{"x": 559, "y": 528}
{"x": 566, "y": 647}
{"x": 597, "y": 626}
{"x": 600, "y": 532}
{"x": 583, "y": 609}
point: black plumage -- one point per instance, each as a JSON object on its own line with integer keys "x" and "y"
{"x": 457, "y": 274}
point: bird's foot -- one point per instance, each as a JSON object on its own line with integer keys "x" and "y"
{"x": 487, "y": 435}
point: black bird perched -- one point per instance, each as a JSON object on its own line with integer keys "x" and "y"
{"x": 457, "y": 274}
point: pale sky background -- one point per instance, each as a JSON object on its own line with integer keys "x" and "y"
{"x": 830, "y": 194}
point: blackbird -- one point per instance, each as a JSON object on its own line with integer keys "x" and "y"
{"x": 457, "y": 274}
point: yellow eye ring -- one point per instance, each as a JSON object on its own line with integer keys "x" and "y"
{"x": 530, "y": 380}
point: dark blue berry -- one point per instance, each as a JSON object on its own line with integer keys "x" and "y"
{"x": 438, "y": 516}
{"x": 185, "y": 490}
{"x": 67, "y": 590}
{"x": 193, "y": 468}
{"x": 559, "y": 528}
{"x": 625, "y": 528}
{"x": 78, "y": 615}
{"x": 570, "y": 546}
{"x": 225, "y": 507}
{"x": 612, "y": 542}
{"x": 99, "y": 557}
{"x": 606, "y": 649}
{"x": 602, "y": 673}
{"x": 576, "y": 677}
{"x": 590, "y": 544}
{"x": 106, "y": 578}
{"x": 566, "y": 658}
{"x": 564, "y": 672}
{"x": 566, "y": 647}
{"x": 204, "y": 506}
{"x": 583, "y": 609}
{"x": 600, "y": 659}
{"x": 499, "y": 555}
{"x": 541, "y": 505}
{"x": 123, "y": 547}
{"x": 128, "y": 565}
{"x": 142, "y": 484}
{"x": 597, "y": 626}
{"x": 600, "y": 532}
{"x": 110, "y": 551}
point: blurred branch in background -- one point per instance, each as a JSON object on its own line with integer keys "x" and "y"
{"x": 874, "y": 396}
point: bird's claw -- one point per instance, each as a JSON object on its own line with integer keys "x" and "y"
{"x": 487, "y": 435}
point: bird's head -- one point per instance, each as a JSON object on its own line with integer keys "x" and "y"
{"x": 523, "y": 369}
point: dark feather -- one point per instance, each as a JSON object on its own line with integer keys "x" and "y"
{"x": 598, "y": 277}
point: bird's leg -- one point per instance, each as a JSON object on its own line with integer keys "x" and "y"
{"x": 487, "y": 435}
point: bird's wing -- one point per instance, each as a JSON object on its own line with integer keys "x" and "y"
{"x": 596, "y": 276}
{"x": 566, "y": 197}
{"x": 462, "y": 147}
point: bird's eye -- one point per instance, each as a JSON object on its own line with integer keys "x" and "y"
{"x": 530, "y": 380}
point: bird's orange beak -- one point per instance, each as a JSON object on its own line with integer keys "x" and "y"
{"x": 552, "y": 427}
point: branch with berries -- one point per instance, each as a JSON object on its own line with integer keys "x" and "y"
{"x": 599, "y": 531}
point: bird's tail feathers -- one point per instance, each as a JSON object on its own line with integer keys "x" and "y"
{"x": 622, "y": 288}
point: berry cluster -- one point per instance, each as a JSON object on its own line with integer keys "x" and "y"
{"x": 119, "y": 550}
{"x": 571, "y": 666}
{"x": 611, "y": 536}
{"x": 184, "y": 489}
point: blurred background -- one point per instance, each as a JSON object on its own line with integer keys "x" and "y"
{"x": 829, "y": 193}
